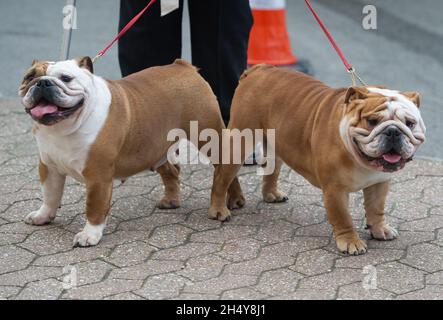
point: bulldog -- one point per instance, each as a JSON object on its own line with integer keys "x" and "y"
{"x": 340, "y": 140}
{"x": 96, "y": 130}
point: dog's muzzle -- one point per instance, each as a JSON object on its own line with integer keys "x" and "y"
{"x": 48, "y": 104}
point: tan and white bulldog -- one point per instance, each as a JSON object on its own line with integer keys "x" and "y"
{"x": 340, "y": 140}
{"x": 96, "y": 130}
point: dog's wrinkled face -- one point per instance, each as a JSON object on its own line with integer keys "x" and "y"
{"x": 382, "y": 128}
{"x": 54, "y": 91}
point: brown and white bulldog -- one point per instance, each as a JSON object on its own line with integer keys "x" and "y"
{"x": 340, "y": 140}
{"x": 96, "y": 130}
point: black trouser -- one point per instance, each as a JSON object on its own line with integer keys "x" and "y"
{"x": 219, "y": 36}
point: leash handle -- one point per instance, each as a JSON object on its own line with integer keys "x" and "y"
{"x": 124, "y": 30}
{"x": 340, "y": 53}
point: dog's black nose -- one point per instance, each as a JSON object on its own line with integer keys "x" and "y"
{"x": 44, "y": 83}
{"x": 392, "y": 132}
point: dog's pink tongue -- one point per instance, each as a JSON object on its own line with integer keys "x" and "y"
{"x": 392, "y": 158}
{"x": 41, "y": 109}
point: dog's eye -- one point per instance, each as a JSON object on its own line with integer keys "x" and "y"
{"x": 66, "y": 78}
{"x": 410, "y": 124}
{"x": 372, "y": 122}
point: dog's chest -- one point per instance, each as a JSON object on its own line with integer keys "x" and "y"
{"x": 68, "y": 154}
{"x": 365, "y": 178}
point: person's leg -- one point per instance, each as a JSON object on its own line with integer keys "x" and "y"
{"x": 219, "y": 35}
{"x": 152, "y": 41}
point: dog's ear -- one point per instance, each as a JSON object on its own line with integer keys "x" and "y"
{"x": 85, "y": 62}
{"x": 413, "y": 96}
{"x": 356, "y": 93}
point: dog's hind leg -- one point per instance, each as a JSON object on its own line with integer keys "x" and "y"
{"x": 169, "y": 174}
{"x": 270, "y": 190}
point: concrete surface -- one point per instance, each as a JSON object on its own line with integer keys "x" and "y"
{"x": 267, "y": 251}
{"x": 282, "y": 251}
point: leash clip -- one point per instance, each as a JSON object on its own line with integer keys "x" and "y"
{"x": 355, "y": 77}
{"x": 99, "y": 55}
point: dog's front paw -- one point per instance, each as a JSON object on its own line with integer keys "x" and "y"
{"x": 168, "y": 203}
{"x": 219, "y": 213}
{"x": 351, "y": 245}
{"x": 383, "y": 233}
{"x": 275, "y": 196}
{"x": 90, "y": 236}
{"x": 39, "y": 217}
{"x": 236, "y": 201}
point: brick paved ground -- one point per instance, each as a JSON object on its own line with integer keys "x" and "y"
{"x": 283, "y": 251}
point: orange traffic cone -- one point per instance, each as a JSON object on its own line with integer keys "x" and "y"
{"x": 269, "y": 39}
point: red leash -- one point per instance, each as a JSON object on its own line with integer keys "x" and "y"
{"x": 340, "y": 53}
{"x": 124, "y": 30}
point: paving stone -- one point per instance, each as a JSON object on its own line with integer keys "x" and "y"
{"x": 439, "y": 238}
{"x": 314, "y": 262}
{"x": 72, "y": 257}
{"x": 372, "y": 257}
{"x": 203, "y": 267}
{"x": 198, "y": 220}
{"x": 220, "y": 284}
{"x": 399, "y": 278}
{"x": 356, "y": 291}
{"x": 132, "y": 207}
{"x": 169, "y": 236}
{"x": 278, "y": 282}
{"x": 124, "y": 296}
{"x": 12, "y": 183}
{"x": 45, "y": 242}
{"x": 30, "y": 274}
{"x": 196, "y": 296}
{"x": 148, "y": 268}
{"x": 426, "y": 224}
{"x": 49, "y": 289}
{"x": 410, "y": 210}
{"x": 7, "y": 292}
{"x": 425, "y": 256}
{"x": 240, "y": 249}
{"x": 21, "y": 227}
{"x": 13, "y": 258}
{"x": 299, "y": 244}
{"x": 405, "y": 239}
{"x": 323, "y": 229}
{"x": 331, "y": 280}
{"x": 308, "y": 294}
{"x": 149, "y": 223}
{"x": 264, "y": 262}
{"x": 225, "y": 233}
{"x": 409, "y": 190}
{"x": 432, "y": 195}
{"x": 431, "y": 292}
{"x": 435, "y": 278}
{"x": 164, "y": 286}
{"x": 103, "y": 289}
{"x": 275, "y": 232}
{"x": 11, "y": 238}
{"x": 306, "y": 215}
{"x": 242, "y": 294}
{"x": 19, "y": 210}
{"x": 131, "y": 253}
{"x": 187, "y": 251}
{"x": 89, "y": 271}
